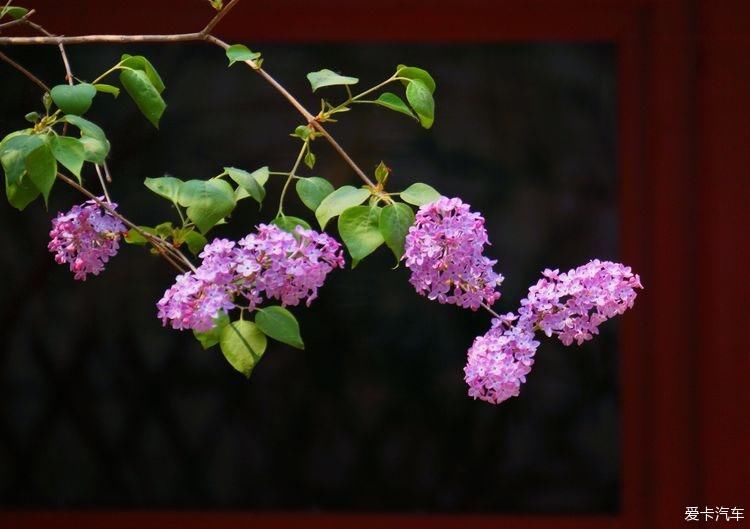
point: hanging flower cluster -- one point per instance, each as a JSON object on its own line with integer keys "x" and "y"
{"x": 570, "y": 305}
{"x": 498, "y": 362}
{"x": 85, "y": 238}
{"x": 269, "y": 264}
{"x": 444, "y": 251}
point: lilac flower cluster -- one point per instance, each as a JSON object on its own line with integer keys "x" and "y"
{"x": 269, "y": 264}
{"x": 444, "y": 251}
{"x": 85, "y": 237}
{"x": 571, "y": 305}
{"x": 498, "y": 362}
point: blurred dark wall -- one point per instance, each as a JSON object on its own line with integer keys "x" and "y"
{"x": 101, "y": 406}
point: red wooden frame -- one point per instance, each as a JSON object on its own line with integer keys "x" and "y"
{"x": 684, "y": 144}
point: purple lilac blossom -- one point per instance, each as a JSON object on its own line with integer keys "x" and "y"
{"x": 444, "y": 251}
{"x": 572, "y": 305}
{"x": 288, "y": 267}
{"x": 271, "y": 263}
{"x": 85, "y": 237}
{"x": 498, "y": 362}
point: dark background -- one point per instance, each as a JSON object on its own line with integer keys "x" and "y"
{"x": 103, "y": 407}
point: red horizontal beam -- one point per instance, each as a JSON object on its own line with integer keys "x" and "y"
{"x": 223, "y": 519}
{"x": 340, "y": 21}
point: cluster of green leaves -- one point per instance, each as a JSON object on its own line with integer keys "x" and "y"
{"x": 137, "y": 75}
{"x": 243, "y": 342}
{"x": 206, "y": 203}
{"x": 364, "y": 228}
{"x": 419, "y": 89}
{"x": 31, "y": 157}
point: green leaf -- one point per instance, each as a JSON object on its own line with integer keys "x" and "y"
{"x": 310, "y": 159}
{"x": 413, "y": 73}
{"x": 14, "y": 12}
{"x": 195, "y": 241}
{"x": 134, "y": 237}
{"x": 261, "y": 175}
{"x": 302, "y": 132}
{"x": 69, "y": 152}
{"x": 243, "y": 345}
{"x": 42, "y": 169}
{"x": 279, "y": 324}
{"x": 14, "y": 149}
{"x": 420, "y": 99}
{"x": 419, "y": 194}
{"x": 164, "y": 230}
{"x": 359, "y": 229}
{"x": 32, "y": 117}
{"x": 73, "y": 99}
{"x": 393, "y": 102}
{"x": 313, "y": 190}
{"x": 248, "y": 182}
{"x": 94, "y": 149}
{"x": 381, "y": 173}
{"x": 139, "y": 62}
{"x": 326, "y": 77}
{"x": 289, "y": 223}
{"x": 343, "y": 198}
{"x": 207, "y": 201}
{"x": 395, "y": 220}
{"x": 240, "y": 52}
{"x": 146, "y": 96}
{"x": 212, "y": 337}
{"x": 95, "y": 143}
{"x": 107, "y": 89}
{"x": 165, "y": 186}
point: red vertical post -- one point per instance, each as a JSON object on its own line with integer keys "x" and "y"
{"x": 723, "y": 282}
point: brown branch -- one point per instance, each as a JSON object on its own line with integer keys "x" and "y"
{"x": 163, "y": 247}
{"x": 17, "y": 21}
{"x": 217, "y": 18}
{"x": 94, "y": 39}
{"x": 25, "y": 72}
{"x": 205, "y": 36}
{"x": 302, "y": 110}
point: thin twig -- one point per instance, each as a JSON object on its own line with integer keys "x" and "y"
{"x": 205, "y": 36}
{"x": 101, "y": 181}
{"x": 17, "y": 21}
{"x": 107, "y": 174}
{"x": 217, "y": 18}
{"x": 302, "y": 110}
{"x": 24, "y": 71}
{"x": 66, "y": 64}
{"x": 163, "y": 247}
{"x": 305, "y": 146}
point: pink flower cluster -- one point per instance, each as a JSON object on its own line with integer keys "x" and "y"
{"x": 571, "y": 305}
{"x": 272, "y": 263}
{"x": 85, "y": 237}
{"x": 499, "y": 361}
{"x": 444, "y": 251}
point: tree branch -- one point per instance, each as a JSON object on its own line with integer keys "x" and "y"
{"x": 25, "y": 72}
{"x": 17, "y": 21}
